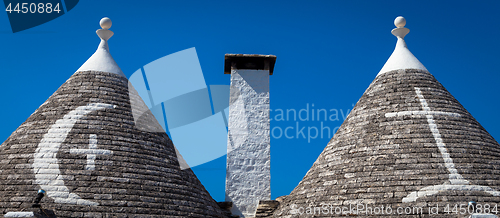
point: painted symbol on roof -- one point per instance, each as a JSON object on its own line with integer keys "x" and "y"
{"x": 193, "y": 114}
{"x": 91, "y": 152}
{"x": 46, "y": 166}
{"x": 24, "y": 15}
{"x": 456, "y": 182}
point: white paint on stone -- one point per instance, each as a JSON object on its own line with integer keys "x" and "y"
{"x": 456, "y": 182}
{"x": 102, "y": 60}
{"x": 407, "y": 113}
{"x": 46, "y": 166}
{"x": 238, "y": 134}
{"x": 19, "y": 214}
{"x": 455, "y": 177}
{"x": 401, "y": 57}
{"x": 248, "y": 177}
{"x": 91, "y": 153}
{"x": 14, "y": 156}
{"x": 482, "y": 215}
{"x": 432, "y": 190}
{"x": 112, "y": 179}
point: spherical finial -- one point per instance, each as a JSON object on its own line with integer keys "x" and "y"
{"x": 401, "y": 30}
{"x": 400, "y": 21}
{"x": 105, "y": 23}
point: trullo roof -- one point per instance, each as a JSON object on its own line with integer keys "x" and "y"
{"x": 84, "y": 148}
{"x": 408, "y": 143}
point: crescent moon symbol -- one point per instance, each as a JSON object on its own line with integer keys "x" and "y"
{"x": 45, "y": 165}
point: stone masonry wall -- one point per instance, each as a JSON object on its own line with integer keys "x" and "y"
{"x": 248, "y": 178}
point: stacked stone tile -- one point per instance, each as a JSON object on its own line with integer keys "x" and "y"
{"x": 83, "y": 147}
{"x": 266, "y": 208}
{"x": 408, "y": 143}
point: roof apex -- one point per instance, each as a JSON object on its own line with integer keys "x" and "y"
{"x": 102, "y": 60}
{"x": 401, "y": 57}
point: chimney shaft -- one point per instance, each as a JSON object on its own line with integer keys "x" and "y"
{"x": 248, "y": 175}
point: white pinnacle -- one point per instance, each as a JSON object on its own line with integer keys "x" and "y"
{"x": 401, "y": 58}
{"x": 102, "y": 60}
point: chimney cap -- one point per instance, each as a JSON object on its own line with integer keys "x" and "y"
{"x": 249, "y": 61}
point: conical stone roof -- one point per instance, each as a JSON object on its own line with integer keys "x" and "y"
{"x": 408, "y": 143}
{"x": 83, "y": 147}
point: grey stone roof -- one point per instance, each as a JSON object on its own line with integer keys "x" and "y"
{"x": 83, "y": 148}
{"x": 407, "y": 143}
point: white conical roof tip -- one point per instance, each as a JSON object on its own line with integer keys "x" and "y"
{"x": 105, "y": 23}
{"x": 401, "y": 58}
{"x": 102, "y": 60}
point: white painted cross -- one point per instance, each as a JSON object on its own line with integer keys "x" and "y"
{"x": 456, "y": 181}
{"x": 91, "y": 153}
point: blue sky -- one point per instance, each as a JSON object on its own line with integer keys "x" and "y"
{"x": 328, "y": 52}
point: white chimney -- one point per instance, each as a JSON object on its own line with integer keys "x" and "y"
{"x": 248, "y": 175}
